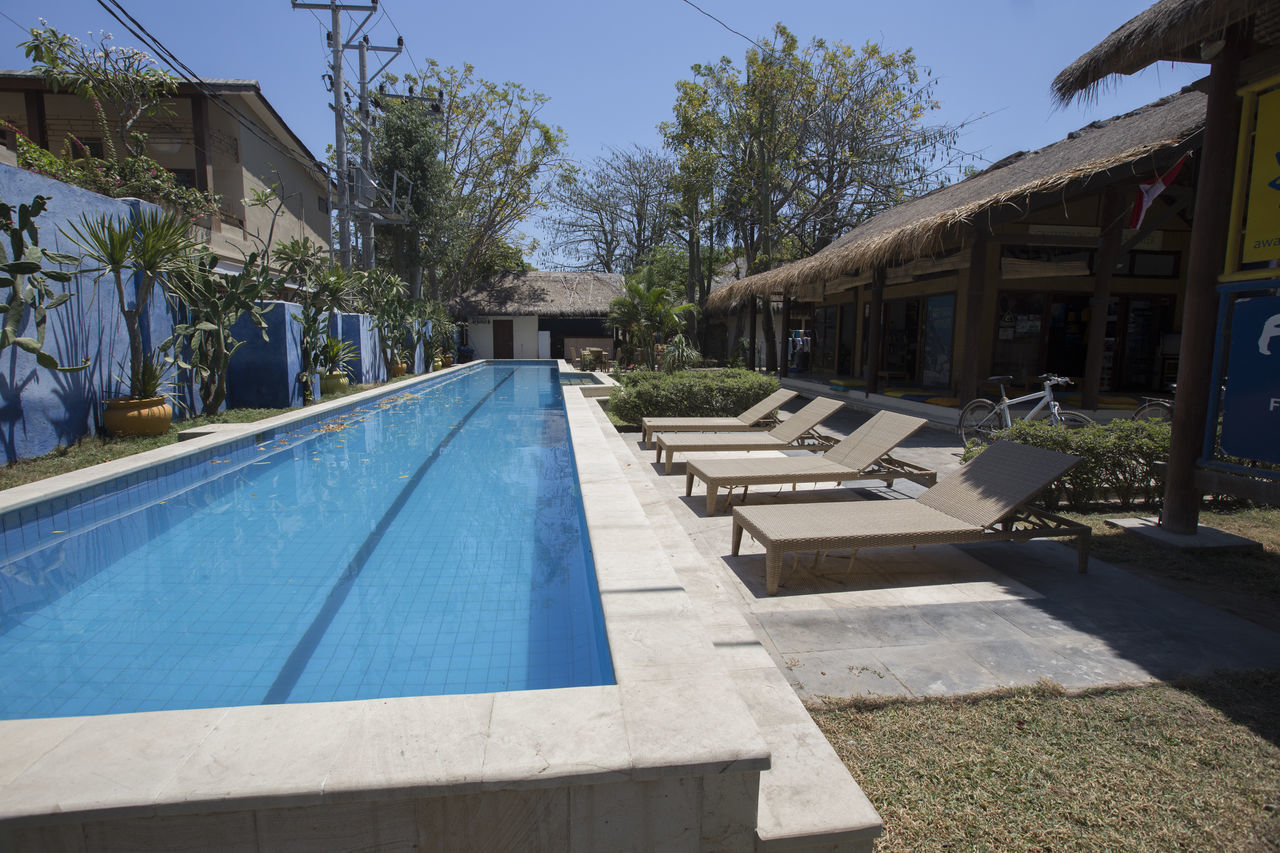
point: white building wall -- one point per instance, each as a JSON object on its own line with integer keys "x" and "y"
{"x": 524, "y": 336}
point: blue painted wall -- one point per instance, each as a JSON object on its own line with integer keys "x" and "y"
{"x": 358, "y": 329}
{"x": 41, "y": 409}
{"x": 264, "y": 374}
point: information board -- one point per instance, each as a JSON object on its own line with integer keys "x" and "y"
{"x": 1251, "y": 404}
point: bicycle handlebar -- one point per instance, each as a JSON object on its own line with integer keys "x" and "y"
{"x": 1054, "y": 380}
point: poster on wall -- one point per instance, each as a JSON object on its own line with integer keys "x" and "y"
{"x": 1262, "y": 228}
{"x": 1251, "y": 404}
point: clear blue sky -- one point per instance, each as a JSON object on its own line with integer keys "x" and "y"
{"x": 610, "y": 68}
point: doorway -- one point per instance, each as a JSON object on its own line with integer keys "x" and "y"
{"x": 503, "y": 339}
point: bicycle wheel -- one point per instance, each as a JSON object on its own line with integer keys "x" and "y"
{"x": 978, "y": 420}
{"x": 1072, "y": 420}
{"x": 1154, "y": 410}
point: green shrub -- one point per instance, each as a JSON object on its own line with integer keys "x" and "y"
{"x": 688, "y": 394}
{"x": 1117, "y": 460}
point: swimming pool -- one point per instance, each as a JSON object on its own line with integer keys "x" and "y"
{"x": 431, "y": 542}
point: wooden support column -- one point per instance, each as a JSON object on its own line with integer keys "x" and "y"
{"x": 37, "y": 126}
{"x": 203, "y": 146}
{"x": 752, "y": 332}
{"x": 1200, "y": 307}
{"x": 1112, "y": 228}
{"x": 975, "y": 287}
{"x": 783, "y": 371}
{"x": 875, "y": 333}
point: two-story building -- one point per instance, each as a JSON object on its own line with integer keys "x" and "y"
{"x": 222, "y": 136}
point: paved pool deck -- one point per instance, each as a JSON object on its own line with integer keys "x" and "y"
{"x": 941, "y": 620}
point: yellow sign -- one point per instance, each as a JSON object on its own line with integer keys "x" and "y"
{"x": 1262, "y": 228}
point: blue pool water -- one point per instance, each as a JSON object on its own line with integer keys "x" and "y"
{"x": 430, "y": 542}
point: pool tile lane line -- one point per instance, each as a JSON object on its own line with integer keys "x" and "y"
{"x": 297, "y": 661}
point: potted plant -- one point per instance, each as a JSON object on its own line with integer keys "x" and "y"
{"x": 400, "y": 359}
{"x": 149, "y": 413}
{"x": 143, "y": 249}
{"x": 334, "y": 359}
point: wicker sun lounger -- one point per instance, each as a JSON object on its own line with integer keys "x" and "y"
{"x": 863, "y": 455}
{"x": 985, "y": 499}
{"x": 795, "y": 431}
{"x": 756, "y": 417}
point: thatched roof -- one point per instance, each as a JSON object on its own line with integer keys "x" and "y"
{"x": 543, "y": 294}
{"x": 920, "y": 227}
{"x": 1171, "y": 30}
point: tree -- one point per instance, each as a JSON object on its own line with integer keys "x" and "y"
{"x": 805, "y": 143}
{"x": 122, "y": 82}
{"x": 612, "y": 215}
{"x": 407, "y": 140}
{"x": 648, "y": 314}
{"x": 499, "y": 159}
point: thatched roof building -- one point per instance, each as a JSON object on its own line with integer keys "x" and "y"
{"x": 1138, "y": 143}
{"x": 1169, "y": 31}
{"x": 543, "y": 294}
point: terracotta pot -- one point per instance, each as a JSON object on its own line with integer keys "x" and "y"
{"x": 332, "y": 383}
{"x": 399, "y": 369}
{"x": 128, "y": 417}
{"x": 448, "y": 361}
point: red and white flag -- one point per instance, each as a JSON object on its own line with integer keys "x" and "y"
{"x": 1147, "y": 192}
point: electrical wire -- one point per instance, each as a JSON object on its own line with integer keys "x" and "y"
{"x": 15, "y": 23}
{"x": 184, "y": 72}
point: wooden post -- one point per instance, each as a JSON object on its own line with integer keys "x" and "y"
{"x": 875, "y": 331}
{"x": 202, "y": 144}
{"x": 1200, "y": 307}
{"x": 1112, "y": 222}
{"x": 752, "y": 332}
{"x": 975, "y": 287}
{"x": 783, "y": 372}
{"x": 37, "y": 126}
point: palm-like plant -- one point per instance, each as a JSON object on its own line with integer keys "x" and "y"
{"x": 647, "y": 314}
{"x": 215, "y": 303}
{"x": 148, "y": 248}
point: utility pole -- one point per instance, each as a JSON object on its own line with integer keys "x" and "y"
{"x": 362, "y": 207}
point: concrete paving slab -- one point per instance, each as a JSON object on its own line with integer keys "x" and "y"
{"x": 844, "y": 673}
{"x": 808, "y": 630}
{"x": 937, "y": 670}
{"x": 1204, "y": 537}
{"x": 945, "y": 619}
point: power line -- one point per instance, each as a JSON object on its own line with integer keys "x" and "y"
{"x": 185, "y": 73}
{"x": 15, "y": 23}
{"x": 726, "y": 26}
{"x": 408, "y": 52}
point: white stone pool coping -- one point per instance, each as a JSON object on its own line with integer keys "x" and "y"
{"x": 676, "y": 710}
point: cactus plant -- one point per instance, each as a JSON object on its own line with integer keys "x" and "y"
{"x": 23, "y": 271}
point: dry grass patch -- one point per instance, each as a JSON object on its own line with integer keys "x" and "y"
{"x": 1193, "y": 766}
{"x": 1245, "y": 583}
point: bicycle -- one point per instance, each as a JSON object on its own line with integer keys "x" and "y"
{"x": 1154, "y": 409}
{"x": 982, "y": 417}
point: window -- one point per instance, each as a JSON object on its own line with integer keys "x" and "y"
{"x": 184, "y": 177}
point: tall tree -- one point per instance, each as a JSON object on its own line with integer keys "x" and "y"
{"x": 611, "y": 215}
{"x": 500, "y": 160}
{"x": 807, "y": 142}
{"x": 407, "y": 145}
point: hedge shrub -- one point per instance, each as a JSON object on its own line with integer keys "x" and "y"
{"x": 688, "y": 394}
{"x": 1117, "y": 460}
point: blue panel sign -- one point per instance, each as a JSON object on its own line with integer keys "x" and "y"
{"x": 1251, "y": 406}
